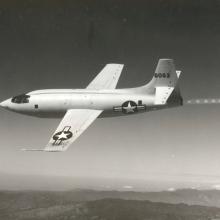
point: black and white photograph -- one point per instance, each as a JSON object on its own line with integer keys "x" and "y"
{"x": 110, "y": 110}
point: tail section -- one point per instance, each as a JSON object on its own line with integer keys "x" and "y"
{"x": 165, "y": 74}
{"x": 164, "y": 82}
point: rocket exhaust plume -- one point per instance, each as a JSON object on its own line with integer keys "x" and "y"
{"x": 202, "y": 101}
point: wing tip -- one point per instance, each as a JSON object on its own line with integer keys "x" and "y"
{"x": 115, "y": 64}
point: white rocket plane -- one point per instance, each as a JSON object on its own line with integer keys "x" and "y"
{"x": 78, "y": 108}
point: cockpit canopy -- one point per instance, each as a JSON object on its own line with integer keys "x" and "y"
{"x": 23, "y": 98}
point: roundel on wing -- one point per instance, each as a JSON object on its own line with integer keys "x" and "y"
{"x": 62, "y": 135}
{"x": 129, "y": 107}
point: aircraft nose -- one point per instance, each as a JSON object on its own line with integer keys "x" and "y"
{"x": 4, "y": 104}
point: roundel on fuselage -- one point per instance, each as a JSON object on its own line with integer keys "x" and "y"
{"x": 129, "y": 107}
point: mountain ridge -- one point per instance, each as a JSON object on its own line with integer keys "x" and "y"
{"x": 209, "y": 198}
{"x": 113, "y": 209}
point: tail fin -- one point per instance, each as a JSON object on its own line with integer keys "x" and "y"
{"x": 164, "y": 81}
{"x": 165, "y": 74}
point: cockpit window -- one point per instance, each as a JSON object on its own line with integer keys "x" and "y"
{"x": 20, "y": 99}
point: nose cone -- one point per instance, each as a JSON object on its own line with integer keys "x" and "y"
{"x": 5, "y": 103}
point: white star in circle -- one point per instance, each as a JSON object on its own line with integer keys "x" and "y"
{"x": 62, "y": 135}
{"x": 129, "y": 108}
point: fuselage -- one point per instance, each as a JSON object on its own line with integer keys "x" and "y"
{"x": 54, "y": 103}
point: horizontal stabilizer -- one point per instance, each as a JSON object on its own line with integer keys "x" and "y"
{"x": 162, "y": 94}
{"x": 178, "y": 72}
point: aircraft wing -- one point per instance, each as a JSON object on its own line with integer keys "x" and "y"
{"x": 107, "y": 78}
{"x": 74, "y": 123}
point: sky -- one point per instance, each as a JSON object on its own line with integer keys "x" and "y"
{"x": 64, "y": 44}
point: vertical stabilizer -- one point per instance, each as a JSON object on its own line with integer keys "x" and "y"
{"x": 164, "y": 81}
{"x": 165, "y": 74}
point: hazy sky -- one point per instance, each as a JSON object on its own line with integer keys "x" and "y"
{"x": 64, "y": 44}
